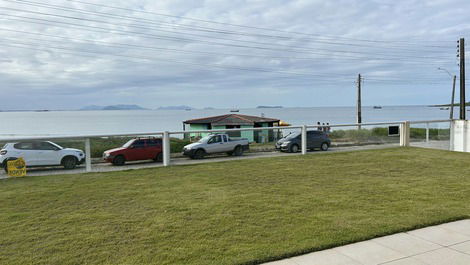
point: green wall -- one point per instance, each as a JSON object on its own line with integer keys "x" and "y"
{"x": 197, "y": 127}
{"x": 247, "y": 134}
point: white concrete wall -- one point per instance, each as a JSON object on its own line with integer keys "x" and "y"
{"x": 460, "y": 136}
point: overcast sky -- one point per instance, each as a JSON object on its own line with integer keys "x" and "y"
{"x": 68, "y": 54}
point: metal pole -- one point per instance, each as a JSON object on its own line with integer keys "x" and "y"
{"x": 462, "y": 78}
{"x": 304, "y": 139}
{"x": 453, "y": 96}
{"x": 358, "y": 106}
{"x": 166, "y": 148}
{"x": 87, "y": 155}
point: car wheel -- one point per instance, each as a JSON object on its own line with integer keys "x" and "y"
{"x": 294, "y": 148}
{"x": 158, "y": 158}
{"x": 119, "y": 160}
{"x": 230, "y": 153}
{"x": 199, "y": 154}
{"x": 324, "y": 147}
{"x": 238, "y": 151}
{"x": 69, "y": 162}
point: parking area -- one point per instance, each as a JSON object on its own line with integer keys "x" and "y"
{"x": 106, "y": 167}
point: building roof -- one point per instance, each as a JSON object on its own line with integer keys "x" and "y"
{"x": 231, "y": 119}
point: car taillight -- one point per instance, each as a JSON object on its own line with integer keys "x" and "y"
{"x": 3, "y": 152}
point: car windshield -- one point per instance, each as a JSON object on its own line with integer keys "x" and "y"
{"x": 126, "y": 145}
{"x": 204, "y": 139}
{"x": 58, "y": 146}
{"x": 292, "y": 135}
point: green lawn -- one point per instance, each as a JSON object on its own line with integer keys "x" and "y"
{"x": 240, "y": 212}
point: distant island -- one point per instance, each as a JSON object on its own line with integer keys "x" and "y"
{"x": 181, "y": 107}
{"x": 448, "y": 105}
{"x": 269, "y": 107}
{"x": 113, "y": 107}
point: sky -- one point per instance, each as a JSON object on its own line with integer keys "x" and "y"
{"x": 67, "y": 54}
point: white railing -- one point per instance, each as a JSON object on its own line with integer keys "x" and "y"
{"x": 404, "y": 135}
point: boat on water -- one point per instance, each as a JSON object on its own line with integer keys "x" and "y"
{"x": 377, "y": 107}
{"x": 444, "y": 108}
{"x": 234, "y": 110}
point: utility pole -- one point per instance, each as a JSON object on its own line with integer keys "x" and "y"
{"x": 452, "y": 100}
{"x": 462, "y": 77}
{"x": 453, "y": 96}
{"x": 358, "y": 105}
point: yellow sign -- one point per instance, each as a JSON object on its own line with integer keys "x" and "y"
{"x": 16, "y": 168}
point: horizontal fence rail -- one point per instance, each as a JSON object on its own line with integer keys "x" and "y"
{"x": 404, "y": 135}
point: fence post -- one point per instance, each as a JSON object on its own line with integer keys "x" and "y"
{"x": 304, "y": 139}
{"x": 88, "y": 155}
{"x": 451, "y": 135}
{"x": 405, "y": 133}
{"x": 166, "y": 149}
{"x": 427, "y": 132}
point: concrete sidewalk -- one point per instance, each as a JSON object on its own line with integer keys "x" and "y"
{"x": 446, "y": 244}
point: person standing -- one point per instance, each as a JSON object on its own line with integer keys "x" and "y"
{"x": 318, "y": 126}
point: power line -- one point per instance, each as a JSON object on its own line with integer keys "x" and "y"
{"x": 123, "y": 45}
{"x": 172, "y": 38}
{"x": 245, "y": 26}
{"x": 212, "y": 30}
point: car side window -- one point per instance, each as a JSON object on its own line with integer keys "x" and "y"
{"x": 212, "y": 140}
{"x": 224, "y": 138}
{"x": 44, "y": 146}
{"x": 154, "y": 142}
{"x": 138, "y": 144}
{"x": 24, "y": 146}
{"x": 215, "y": 139}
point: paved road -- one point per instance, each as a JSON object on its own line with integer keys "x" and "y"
{"x": 446, "y": 244}
{"x": 102, "y": 167}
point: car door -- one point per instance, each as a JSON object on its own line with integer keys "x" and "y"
{"x": 316, "y": 139}
{"x": 214, "y": 145}
{"x": 47, "y": 153}
{"x": 154, "y": 147}
{"x": 26, "y": 151}
{"x": 137, "y": 151}
{"x": 311, "y": 139}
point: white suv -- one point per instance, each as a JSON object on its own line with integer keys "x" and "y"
{"x": 41, "y": 154}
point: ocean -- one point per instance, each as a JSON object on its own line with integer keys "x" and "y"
{"x": 60, "y": 123}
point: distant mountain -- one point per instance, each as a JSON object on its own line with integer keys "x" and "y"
{"x": 113, "y": 107}
{"x": 92, "y": 107}
{"x": 457, "y": 104}
{"x": 269, "y": 107}
{"x": 182, "y": 107}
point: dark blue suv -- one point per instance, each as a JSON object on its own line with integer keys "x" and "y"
{"x": 315, "y": 139}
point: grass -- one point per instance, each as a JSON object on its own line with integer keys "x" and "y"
{"x": 239, "y": 212}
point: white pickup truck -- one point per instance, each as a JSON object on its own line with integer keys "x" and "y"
{"x": 216, "y": 143}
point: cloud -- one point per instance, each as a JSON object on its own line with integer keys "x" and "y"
{"x": 67, "y": 54}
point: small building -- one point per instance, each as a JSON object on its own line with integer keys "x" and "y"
{"x": 232, "y": 121}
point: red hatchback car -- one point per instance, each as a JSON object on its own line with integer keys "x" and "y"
{"x": 134, "y": 150}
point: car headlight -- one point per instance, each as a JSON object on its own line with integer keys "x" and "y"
{"x": 285, "y": 143}
{"x": 106, "y": 155}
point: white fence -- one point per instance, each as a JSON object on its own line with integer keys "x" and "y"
{"x": 404, "y": 137}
